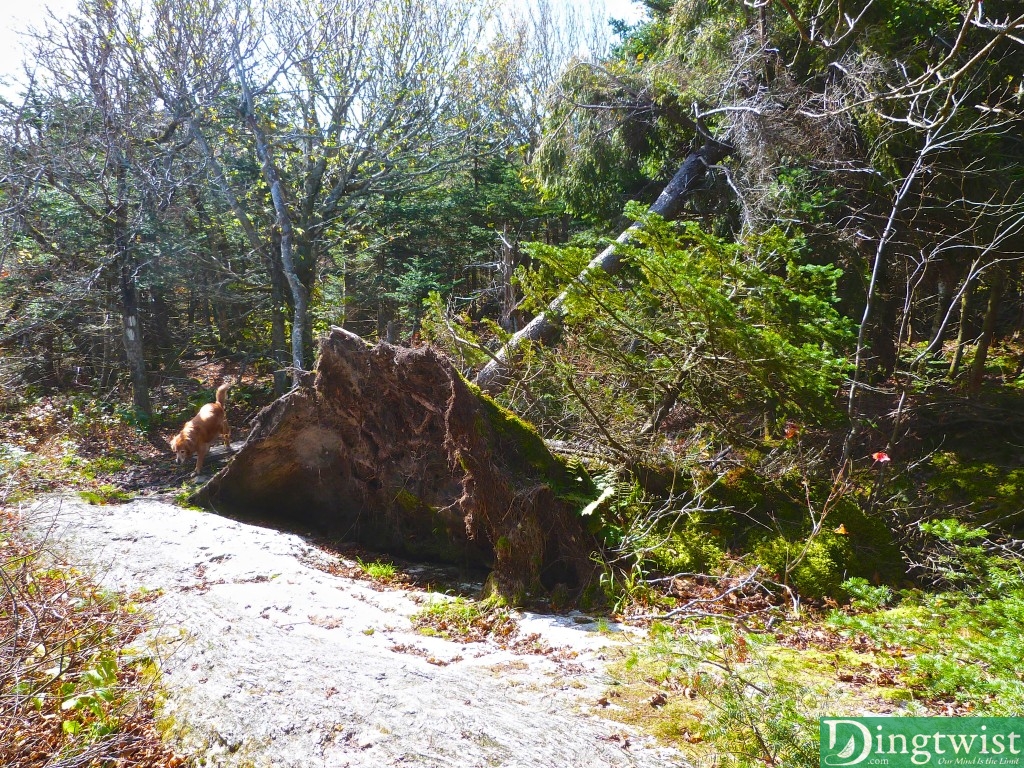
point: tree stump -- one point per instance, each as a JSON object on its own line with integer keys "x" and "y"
{"x": 391, "y": 447}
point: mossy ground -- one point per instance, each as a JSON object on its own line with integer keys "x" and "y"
{"x": 917, "y": 652}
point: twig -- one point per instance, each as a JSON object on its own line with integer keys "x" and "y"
{"x": 705, "y": 600}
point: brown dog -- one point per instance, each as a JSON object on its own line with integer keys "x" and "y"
{"x": 202, "y": 429}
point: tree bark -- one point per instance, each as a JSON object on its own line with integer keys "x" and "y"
{"x": 961, "y": 334}
{"x": 131, "y": 323}
{"x": 988, "y": 331}
{"x": 543, "y": 329}
{"x": 937, "y": 332}
{"x": 278, "y": 335}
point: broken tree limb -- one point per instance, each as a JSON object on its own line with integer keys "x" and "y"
{"x": 544, "y": 327}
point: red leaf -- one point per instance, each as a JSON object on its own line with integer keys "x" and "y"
{"x": 881, "y": 456}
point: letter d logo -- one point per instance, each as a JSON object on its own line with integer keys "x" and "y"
{"x": 846, "y": 755}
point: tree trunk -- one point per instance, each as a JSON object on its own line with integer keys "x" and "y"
{"x": 390, "y": 447}
{"x": 988, "y": 330}
{"x": 543, "y": 329}
{"x": 961, "y": 334}
{"x": 299, "y": 296}
{"x": 131, "y": 323}
{"x": 299, "y": 293}
{"x": 882, "y": 353}
{"x": 278, "y": 336}
{"x": 131, "y": 327}
{"x": 508, "y": 259}
{"x": 160, "y": 317}
{"x": 106, "y": 365}
{"x": 937, "y": 332}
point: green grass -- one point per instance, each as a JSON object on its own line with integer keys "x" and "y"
{"x": 378, "y": 570}
{"x": 105, "y": 494}
{"x": 461, "y": 619}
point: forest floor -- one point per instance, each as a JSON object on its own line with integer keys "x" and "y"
{"x": 274, "y": 651}
{"x": 277, "y": 648}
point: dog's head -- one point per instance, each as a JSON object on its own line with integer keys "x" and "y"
{"x": 182, "y": 448}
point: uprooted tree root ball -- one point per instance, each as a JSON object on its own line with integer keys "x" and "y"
{"x": 393, "y": 448}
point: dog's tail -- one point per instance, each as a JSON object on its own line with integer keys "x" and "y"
{"x": 222, "y": 393}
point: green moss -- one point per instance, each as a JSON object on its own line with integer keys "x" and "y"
{"x": 816, "y": 569}
{"x": 592, "y": 597}
{"x": 697, "y": 694}
{"x": 766, "y": 501}
{"x": 990, "y": 485}
{"x": 498, "y": 593}
{"x": 183, "y": 497}
{"x": 518, "y": 442}
{"x": 867, "y": 549}
{"x": 104, "y": 465}
{"x": 407, "y": 501}
{"x": 965, "y": 646}
{"x": 696, "y": 547}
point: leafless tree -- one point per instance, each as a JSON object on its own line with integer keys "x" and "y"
{"x": 340, "y": 103}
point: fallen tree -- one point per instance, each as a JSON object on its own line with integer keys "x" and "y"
{"x": 390, "y": 447}
{"x": 543, "y": 329}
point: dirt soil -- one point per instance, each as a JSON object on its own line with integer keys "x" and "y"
{"x": 270, "y": 658}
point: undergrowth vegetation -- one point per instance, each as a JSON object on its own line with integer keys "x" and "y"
{"x": 70, "y": 692}
{"x": 464, "y": 620}
{"x": 798, "y": 392}
{"x": 378, "y": 570}
{"x": 54, "y": 442}
{"x": 729, "y": 695}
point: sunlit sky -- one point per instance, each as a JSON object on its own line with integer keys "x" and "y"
{"x": 16, "y": 16}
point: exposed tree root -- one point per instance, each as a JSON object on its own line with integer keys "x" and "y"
{"x": 391, "y": 447}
